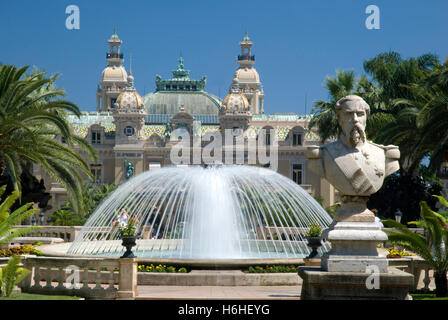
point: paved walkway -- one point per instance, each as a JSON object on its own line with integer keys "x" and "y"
{"x": 218, "y": 293}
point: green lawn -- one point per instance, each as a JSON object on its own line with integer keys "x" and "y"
{"x": 427, "y": 296}
{"x": 29, "y": 296}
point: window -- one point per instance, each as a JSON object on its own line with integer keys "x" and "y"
{"x": 297, "y": 173}
{"x": 267, "y": 136}
{"x": 96, "y": 137}
{"x": 129, "y": 131}
{"x": 296, "y": 139}
{"x": 112, "y": 102}
{"x": 96, "y": 172}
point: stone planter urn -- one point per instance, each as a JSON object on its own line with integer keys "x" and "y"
{"x": 314, "y": 243}
{"x": 128, "y": 242}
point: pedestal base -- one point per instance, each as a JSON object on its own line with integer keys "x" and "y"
{"x": 360, "y": 264}
{"x": 354, "y": 238}
{"x": 323, "y": 285}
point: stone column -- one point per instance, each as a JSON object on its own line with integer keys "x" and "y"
{"x": 127, "y": 283}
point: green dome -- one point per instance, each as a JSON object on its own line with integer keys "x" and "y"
{"x": 179, "y": 91}
{"x": 194, "y": 102}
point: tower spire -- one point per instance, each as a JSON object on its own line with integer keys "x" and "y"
{"x": 246, "y": 37}
{"x": 246, "y": 59}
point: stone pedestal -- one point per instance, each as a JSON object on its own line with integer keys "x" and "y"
{"x": 353, "y": 269}
{"x": 354, "y": 238}
{"x": 323, "y": 285}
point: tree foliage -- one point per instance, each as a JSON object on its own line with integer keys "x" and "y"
{"x": 31, "y": 116}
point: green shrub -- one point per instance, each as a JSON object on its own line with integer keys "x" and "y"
{"x": 272, "y": 269}
{"x": 11, "y": 275}
{"x": 160, "y": 268}
{"x": 314, "y": 231}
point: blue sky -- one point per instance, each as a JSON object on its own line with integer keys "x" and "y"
{"x": 296, "y": 43}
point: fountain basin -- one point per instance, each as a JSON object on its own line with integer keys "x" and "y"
{"x": 61, "y": 250}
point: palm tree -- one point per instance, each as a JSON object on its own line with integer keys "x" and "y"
{"x": 393, "y": 74}
{"x": 31, "y": 116}
{"x": 64, "y": 217}
{"x": 433, "y": 118}
{"x": 433, "y": 248}
{"x": 398, "y": 103}
{"x": 9, "y": 220}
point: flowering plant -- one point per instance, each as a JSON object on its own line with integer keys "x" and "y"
{"x": 396, "y": 253}
{"x": 160, "y": 268}
{"x": 128, "y": 230}
{"x": 272, "y": 269}
{"x": 314, "y": 230}
{"x": 19, "y": 250}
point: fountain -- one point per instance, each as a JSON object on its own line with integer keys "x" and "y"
{"x": 219, "y": 212}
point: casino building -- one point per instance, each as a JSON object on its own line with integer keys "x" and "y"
{"x": 132, "y": 134}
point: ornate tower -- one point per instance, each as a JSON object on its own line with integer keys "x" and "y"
{"x": 129, "y": 115}
{"x": 235, "y": 111}
{"x": 129, "y": 119}
{"x": 113, "y": 78}
{"x": 249, "y": 80}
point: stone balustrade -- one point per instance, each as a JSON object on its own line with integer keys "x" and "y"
{"x": 417, "y": 267}
{"x": 66, "y": 233}
{"x": 91, "y": 278}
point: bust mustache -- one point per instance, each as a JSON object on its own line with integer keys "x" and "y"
{"x": 357, "y": 135}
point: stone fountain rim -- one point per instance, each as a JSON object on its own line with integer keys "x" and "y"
{"x": 60, "y": 250}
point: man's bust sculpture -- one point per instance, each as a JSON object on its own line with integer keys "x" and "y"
{"x": 357, "y": 168}
{"x": 353, "y": 165}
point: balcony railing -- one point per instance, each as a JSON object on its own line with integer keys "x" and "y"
{"x": 246, "y": 57}
{"x": 114, "y": 55}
